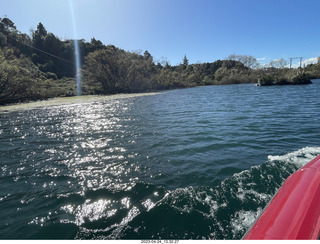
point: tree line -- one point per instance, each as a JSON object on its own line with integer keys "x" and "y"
{"x": 41, "y": 65}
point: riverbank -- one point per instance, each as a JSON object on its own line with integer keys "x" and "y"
{"x": 60, "y": 101}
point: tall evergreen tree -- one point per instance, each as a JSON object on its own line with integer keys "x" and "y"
{"x": 185, "y": 61}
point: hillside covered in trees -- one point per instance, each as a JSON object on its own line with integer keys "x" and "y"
{"x": 41, "y": 66}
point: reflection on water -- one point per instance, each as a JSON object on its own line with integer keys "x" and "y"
{"x": 66, "y": 153}
{"x": 91, "y": 150}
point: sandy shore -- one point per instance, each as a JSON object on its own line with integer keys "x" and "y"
{"x": 68, "y": 101}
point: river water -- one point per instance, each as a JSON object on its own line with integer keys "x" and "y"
{"x": 197, "y": 163}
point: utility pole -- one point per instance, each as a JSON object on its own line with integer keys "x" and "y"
{"x": 296, "y": 58}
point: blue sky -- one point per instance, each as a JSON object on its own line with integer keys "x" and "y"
{"x": 204, "y": 30}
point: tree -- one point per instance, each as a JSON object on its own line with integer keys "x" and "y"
{"x": 147, "y": 56}
{"x": 282, "y": 63}
{"x": 101, "y": 70}
{"x": 41, "y": 30}
{"x": 247, "y": 60}
{"x": 39, "y": 36}
{"x": 278, "y": 63}
{"x": 7, "y": 25}
{"x": 95, "y": 45}
{"x": 52, "y": 44}
{"x": 3, "y": 40}
{"x": 18, "y": 78}
{"x": 185, "y": 61}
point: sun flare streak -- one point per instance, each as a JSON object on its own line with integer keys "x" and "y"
{"x": 76, "y": 49}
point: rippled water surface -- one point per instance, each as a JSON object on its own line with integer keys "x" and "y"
{"x": 196, "y": 163}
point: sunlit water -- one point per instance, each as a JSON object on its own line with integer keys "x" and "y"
{"x": 196, "y": 163}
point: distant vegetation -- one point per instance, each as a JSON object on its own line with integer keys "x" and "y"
{"x": 280, "y": 79}
{"x": 41, "y": 66}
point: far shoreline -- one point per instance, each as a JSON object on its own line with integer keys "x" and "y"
{"x": 74, "y": 100}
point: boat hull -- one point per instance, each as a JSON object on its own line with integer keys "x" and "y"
{"x": 294, "y": 212}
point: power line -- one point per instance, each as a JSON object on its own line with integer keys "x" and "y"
{"x": 296, "y": 58}
{"x": 50, "y": 54}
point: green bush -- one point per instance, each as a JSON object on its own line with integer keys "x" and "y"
{"x": 266, "y": 81}
{"x": 302, "y": 78}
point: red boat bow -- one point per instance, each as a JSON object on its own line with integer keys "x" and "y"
{"x": 294, "y": 212}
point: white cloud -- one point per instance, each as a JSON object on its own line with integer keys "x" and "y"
{"x": 310, "y": 61}
{"x": 262, "y": 59}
